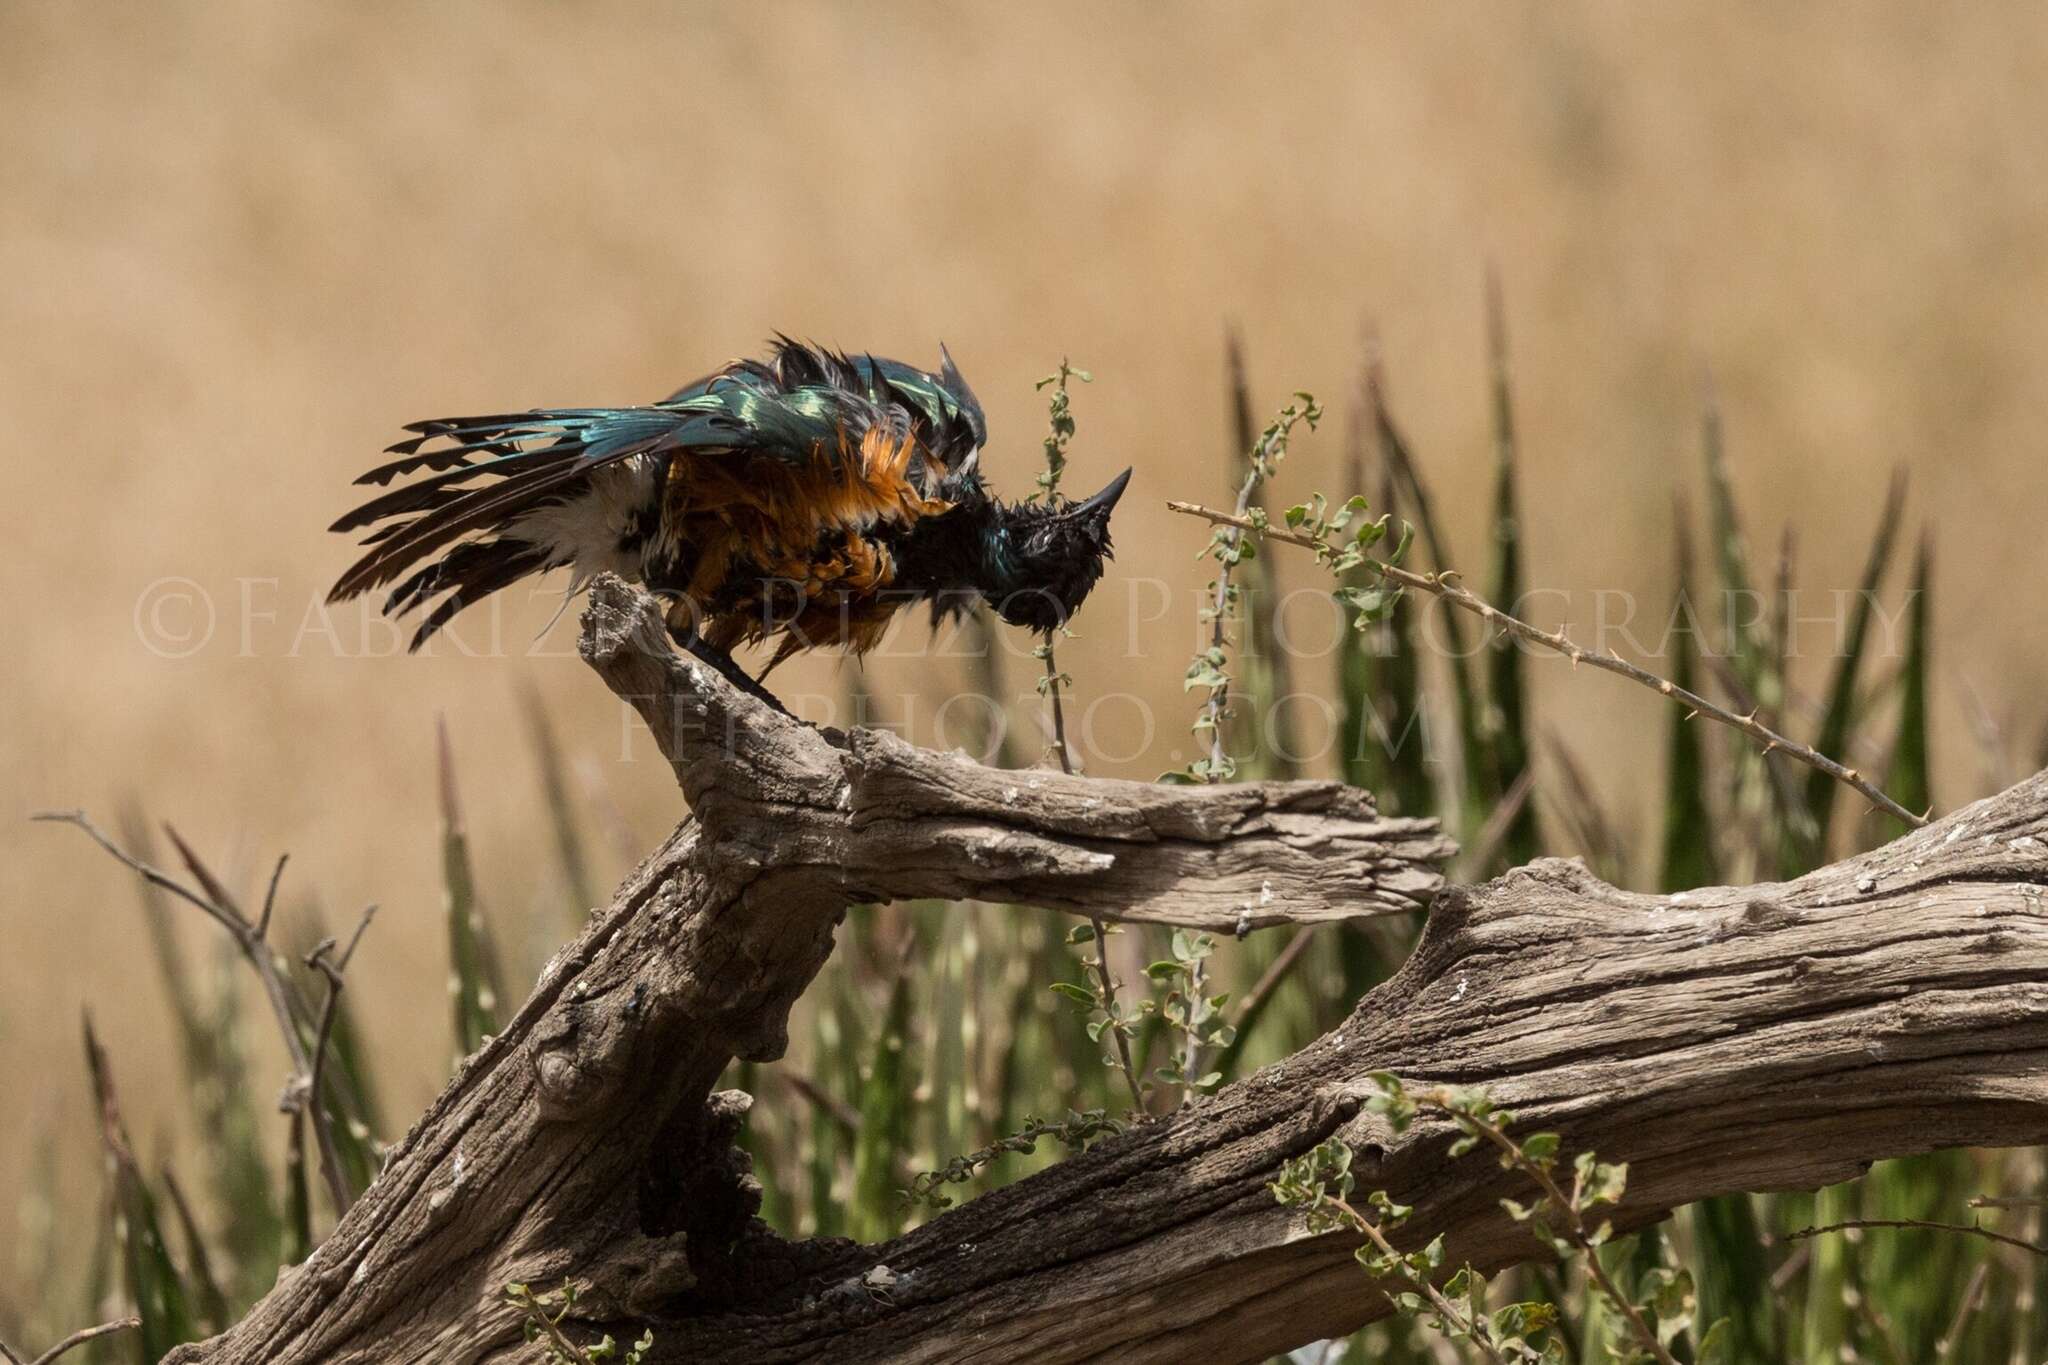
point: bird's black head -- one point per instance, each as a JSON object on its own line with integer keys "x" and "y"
{"x": 1042, "y": 558}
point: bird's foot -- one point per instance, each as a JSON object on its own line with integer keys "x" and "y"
{"x": 728, "y": 668}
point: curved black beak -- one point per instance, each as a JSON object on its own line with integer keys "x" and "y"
{"x": 1099, "y": 505}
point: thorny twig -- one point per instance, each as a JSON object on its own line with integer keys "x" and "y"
{"x": 1494, "y": 832}
{"x": 2008, "y": 1201}
{"x": 1973, "y": 1294}
{"x": 822, "y": 1100}
{"x": 1443, "y": 583}
{"x": 213, "y": 900}
{"x": 1271, "y": 979}
{"x": 78, "y": 1338}
{"x": 1922, "y": 1225}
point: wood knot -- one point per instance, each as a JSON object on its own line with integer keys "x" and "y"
{"x": 568, "y": 1088}
{"x": 1998, "y": 941}
{"x": 1763, "y": 913}
{"x": 580, "y": 1053}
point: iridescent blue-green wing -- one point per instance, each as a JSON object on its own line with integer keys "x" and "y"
{"x": 940, "y": 406}
{"x": 941, "y": 403}
{"x": 482, "y": 501}
{"x": 481, "y": 474}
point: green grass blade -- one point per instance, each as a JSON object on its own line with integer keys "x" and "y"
{"x": 297, "y": 1240}
{"x": 1257, "y": 1008}
{"x": 1379, "y": 674}
{"x": 1587, "y": 821}
{"x": 1730, "y": 1269}
{"x": 154, "y": 1285}
{"x": 1731, "y": 552}
{"x": 1370, "y": 951}
{"x": 992, "y": 738}
{"x": 212, "y": 1303}
{"x": 1604, "y": 1336}
{"x": 835, "y": 1043}
{"x": 1507, "y": 714}
{"x": 41, "y": 1239}
{"x": 1468, "y": 704}
{"x": 1798, "y": 831}
{"x": 885, "y": 1118}
{"x": 473, "y": 974}
{"x": 1757, "y": 804}
{"x": 99, "y": 1283}
{"x": 1917, "y": 1277}
{"x": 561, "y": 807}
{"x": 945, "y": 1084}
{"x": 1910, "y": 780}
{"x": 1829, "y": 1330}
{"x": 1838, "y": 719}
{"x": 1024, "y": 1024}
{"x": 759, "y": 1139}
{"x": 2029, "y": 1331}
{"x": 1734, "y": 1278}
{"x": 1689, "y": 857}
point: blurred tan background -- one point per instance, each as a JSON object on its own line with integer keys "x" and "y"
{"x": 243, "y": 242}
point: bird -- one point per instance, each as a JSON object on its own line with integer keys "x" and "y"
{"x": 804, "y": 497}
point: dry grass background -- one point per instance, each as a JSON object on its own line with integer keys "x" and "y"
{"x": 243, "y": 242}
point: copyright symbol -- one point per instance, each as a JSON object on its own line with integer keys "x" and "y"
{"x": 174, "y": 618}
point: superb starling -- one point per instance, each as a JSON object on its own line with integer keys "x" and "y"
{"x": 807, "y": 496}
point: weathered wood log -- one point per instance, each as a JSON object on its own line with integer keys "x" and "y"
{"x": 585, "y": 1140}
{"x": 1772, "y": 1037}
{"x": 1777, "y": 1037}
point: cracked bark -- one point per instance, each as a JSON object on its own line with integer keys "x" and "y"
{"x": 1770, "y": 1037}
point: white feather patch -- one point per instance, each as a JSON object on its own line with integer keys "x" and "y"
{"x": 586, "y": 530}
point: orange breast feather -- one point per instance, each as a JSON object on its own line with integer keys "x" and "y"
{"x": 804, "y": 527}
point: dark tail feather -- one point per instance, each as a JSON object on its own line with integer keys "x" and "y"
{"x": 468, "y": 574}
{"x": 427, "y": 492}
{"x": 519, "y": 476}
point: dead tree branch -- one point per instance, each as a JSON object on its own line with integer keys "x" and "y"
{"x": 1771, "y": 1037}
{"x": 212, "y": 898}
{"x": 76, "y": 1339}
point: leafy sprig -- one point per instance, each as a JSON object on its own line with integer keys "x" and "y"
{"x": 1230, "y": 546}
{"x": 1096, "y": 992}
{"x": 1320, "y": 1185}
{"x": 1075, "y": 1131}
{"x": 541, "y": 1317}
{"x": 1194, "y": 1017}
{"x": 1340, "y": 545}
{"x": 1059, "y": 426}
{"x": 1569, "y": 1216}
